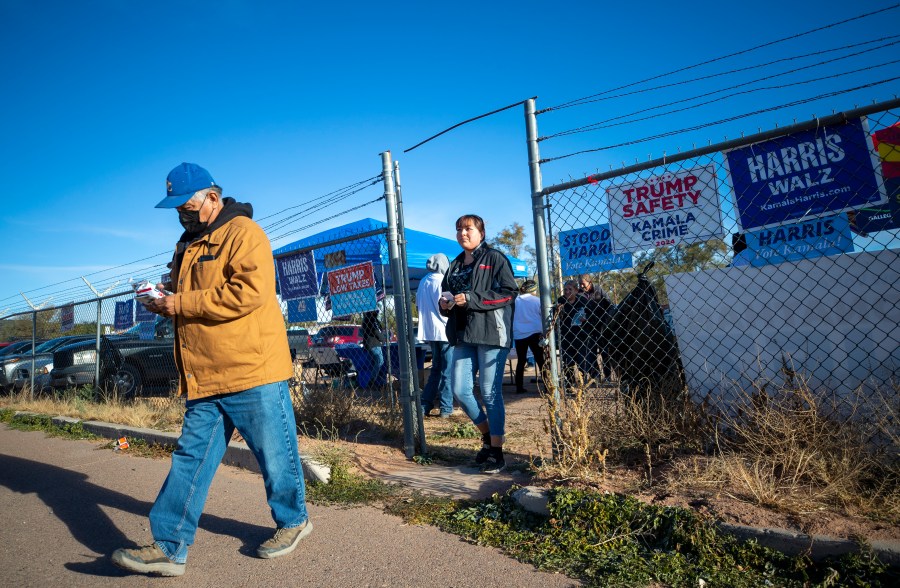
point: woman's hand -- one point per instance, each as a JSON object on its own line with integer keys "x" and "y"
{"x": 460, "y": 299}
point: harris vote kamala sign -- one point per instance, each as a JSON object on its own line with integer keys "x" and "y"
{"x": 808, "y": 174}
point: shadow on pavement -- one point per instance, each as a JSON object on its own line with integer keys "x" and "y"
{"x": 77, "y": 504}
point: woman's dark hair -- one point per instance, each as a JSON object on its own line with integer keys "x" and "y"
{"x": 475, "y": 219}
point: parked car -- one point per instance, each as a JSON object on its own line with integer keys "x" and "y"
{"x": 127, "y": 363}
{"x": 18, "y": 347}
{"x": 322, "y": 351}
{"x": 9, "y": 364}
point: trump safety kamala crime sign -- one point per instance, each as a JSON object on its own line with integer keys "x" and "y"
{"x": 680, "y": 207}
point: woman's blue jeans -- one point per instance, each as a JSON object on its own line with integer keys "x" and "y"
{"x": 264, "y": 416}
{"x": 489, "y": 362}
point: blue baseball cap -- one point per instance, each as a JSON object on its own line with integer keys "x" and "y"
{"x": 182, "y": 182}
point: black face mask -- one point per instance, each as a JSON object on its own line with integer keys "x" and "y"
{"x": 190, "y": 220}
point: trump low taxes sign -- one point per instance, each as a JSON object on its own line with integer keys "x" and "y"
{"x": 670, "y": 209}
{"x": 808, "y": 174}
{"x": 589, "y": 250}
{"x": 352, "y": 289}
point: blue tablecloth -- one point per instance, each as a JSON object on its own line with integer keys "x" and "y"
{"x": 362, "y": 361}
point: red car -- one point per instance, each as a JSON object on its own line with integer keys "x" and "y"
{"x": 322, "y": 350}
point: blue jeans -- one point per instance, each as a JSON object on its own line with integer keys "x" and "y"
{"x": 489, "y": 361}
{"x": 438, "y": 384}
{"x": 265, "y": 418}
{"x": 376, "y": 361}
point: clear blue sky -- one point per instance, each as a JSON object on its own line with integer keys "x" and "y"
{"x": 286, "y": 101}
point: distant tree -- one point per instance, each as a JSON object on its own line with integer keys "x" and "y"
{"x": 511, "y": 241}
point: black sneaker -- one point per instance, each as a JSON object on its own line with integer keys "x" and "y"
{"x": 494, "y": 462}
{"x": 485, "y": 450}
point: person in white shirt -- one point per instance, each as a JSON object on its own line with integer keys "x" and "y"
{"x": 527, "y": 331}
{"x": 433, "y": 329}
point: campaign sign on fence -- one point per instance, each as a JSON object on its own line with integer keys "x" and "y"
{"x": 302, "y": 310}
{"x": 887, "y": 215}
{"x": 670, "y": 209}
{"x": 352, "y": 289}
{"x": 815, "y": 237}
{"x": 819, "y": 172}
{"x": 589, "y": 250}
{"x": 124, "y": 315}
{"x": 142, "y": 315}
{"x": 67, "y": 317}
{"x": 297, "y": 275}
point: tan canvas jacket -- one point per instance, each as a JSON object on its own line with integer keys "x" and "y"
{"x": 229, "y": 331}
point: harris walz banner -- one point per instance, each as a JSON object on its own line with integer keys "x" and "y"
{"x": 809, "y": 174}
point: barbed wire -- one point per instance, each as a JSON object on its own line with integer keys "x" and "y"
{"x": 722, "y": 121}
{"x": 605, "y": 123}
{"x": 723, "y": 57}
{"x": 101, "y": 283}
{"x": 729, "y": 72}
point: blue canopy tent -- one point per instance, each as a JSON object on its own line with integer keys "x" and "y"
{"x": 420, "y": 246}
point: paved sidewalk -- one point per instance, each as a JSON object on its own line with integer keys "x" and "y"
{"x": 66, "y": 505}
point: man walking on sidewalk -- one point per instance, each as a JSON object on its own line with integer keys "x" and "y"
{"x": 233, "y": 361}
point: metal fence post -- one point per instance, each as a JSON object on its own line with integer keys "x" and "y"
{"x": 540, "y": 242}
{"x": 400, "y": 306}
{"x": 33, "y": 345}
{"x": 407, "y": 294}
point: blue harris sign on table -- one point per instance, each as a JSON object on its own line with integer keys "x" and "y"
{"x": 302, "y": 310}
{"x": 809, "y": 174}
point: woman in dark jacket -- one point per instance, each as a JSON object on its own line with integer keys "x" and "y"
{"x": 478, "y": 297}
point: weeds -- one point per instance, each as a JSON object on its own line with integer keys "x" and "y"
{"x": 791, "y": 448}
{"x": 612, "y": 540}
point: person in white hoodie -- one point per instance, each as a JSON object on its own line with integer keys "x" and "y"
{"x": 433, "y": 330}
{"x": 527, "y": 331}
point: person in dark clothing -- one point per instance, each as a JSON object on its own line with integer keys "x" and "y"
{"x": 478, "y": 296}
{"x": 373, "y": 340}
{"x": 599, "y": 308}
{"x": 572, "y": 321}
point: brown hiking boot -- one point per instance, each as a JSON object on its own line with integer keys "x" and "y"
{"x": 284, "y": 541}
{"x": 147, "y": 560}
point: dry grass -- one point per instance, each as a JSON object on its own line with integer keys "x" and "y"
{"x": 164, "y": 414}
{"x": 790, "y": 448}
{"x": 795, "y": 449}
{"x": 337, "y": 412}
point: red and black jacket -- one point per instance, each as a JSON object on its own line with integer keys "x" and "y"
{"x": 487, "y": 317}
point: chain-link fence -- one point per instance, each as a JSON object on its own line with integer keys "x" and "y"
{"x": 344, "y": 330}
{"x": 347, "y": 309}
{"x": 134, "y": 347}
{"x": 729, "y": 276}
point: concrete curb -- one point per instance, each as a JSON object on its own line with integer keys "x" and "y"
{"x": 237, "y": 453}
{"x": 818, "y": 547}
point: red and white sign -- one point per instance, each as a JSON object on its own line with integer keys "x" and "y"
{"x": 665, "y": 210}
{"x": 351, "y": 278}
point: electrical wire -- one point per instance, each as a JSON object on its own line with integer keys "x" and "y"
{"x": 333, "y": 197}
{"x": 318, "y": 222}
{"x": 724, "y": 120}
{"x": 604, "y": 124}
{"x": 723, "y": 57}
{"x": 731, "y": 71}
{"x": 480, "y": 116}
